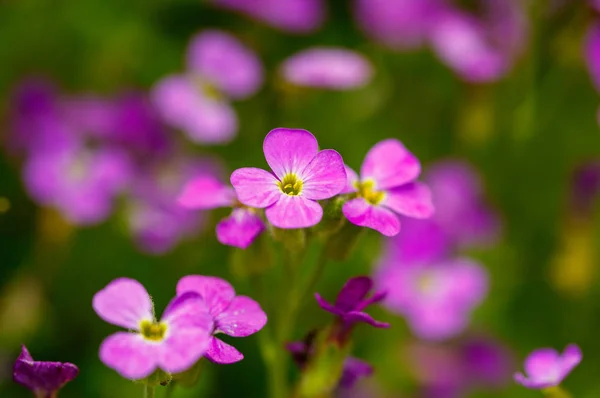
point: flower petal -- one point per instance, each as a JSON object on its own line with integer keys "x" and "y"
{"x": 222, "y": 353}
{"x": 389, "y": 164}
{"x": 206, "y": 192}
{"x": 592, "y": 53}
{"x": 124, "y": 302}
{"x": 412, "y": 200}
{"x": 289, "y": 150}
{"x": 255, "y": 187}
{"x": 240, "y": 228}
{"x": 324, "y": 176}
{"x": 210, "y": 121}
{"x": 357, "y": 316}
{"x": 242, "y": 318}
{"x": 353, "y": 292}
{"x": 294, "y": 212}
{"x": 189, "y": 331}
{"x": 226, "y": 63}
{"x": 130, "y": 355}
{"x": 351, "y": 180}
{"x": 571, "y": 357}
{"x": 361, "y": 213}
{"x": 543, "y": 364}
{"x": 42, "y": 375}
{"x": 326, "y": 306}
{"x": 216, "y": 292}
{"x": 354, "y": 370}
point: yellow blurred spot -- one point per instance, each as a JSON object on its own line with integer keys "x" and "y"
{"x": 573, "y": 272}
{"x": 476, "y": 123}
{"x": 53, "y": 227}
{"x": 4, "y": 204}
{"x": 21, "y": 309}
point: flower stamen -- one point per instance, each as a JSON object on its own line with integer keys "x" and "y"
{"x": 367, "y": 191}
{"x": 153, "y": 331}
{"x": 291, "y": 185}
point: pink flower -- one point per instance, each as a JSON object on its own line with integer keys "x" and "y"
{"x": 545, "y": 367}
{"x": 243, "y": 224}
{"x": 301, "y": 175}
{"x": 219, "y": 68}
{"x": 386, "y": 186}
{"x": 173, "y": 344}
{"x": 236, "y": 316}
{"x": 332, "y": 68}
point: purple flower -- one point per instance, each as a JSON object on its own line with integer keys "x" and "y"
{"x": 240, "y": 228}
{"x": 545, "y": 367}
{"x": 296, "y": 16}
{"x": 386, "y": 186}
{"x": 174, "y": 343}
{"x": 352, "y": 300}
{"x": 301, "y": 176}
{"x": 484, "y": 48}
{"x": 43, "y": 378}
{"x": 435, "y": 298}
{"x": 585, "y": 187}
{"x": 219, "y": 68}
{"x": 592, "y": 53}
{"x": 327, "y": 67}
{"x": 236, "y": 316}
{"x": 398, "y": 24}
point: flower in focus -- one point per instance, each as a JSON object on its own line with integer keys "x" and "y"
{"x": 236, "y": 316}
{"x": 352, "y": 300}
{"x": 296, "y": 16}
{"x": 480, "y": 48}
{"x": 243, "y": 224}
{"x": 546, "y": 367}
{"x": 43, "y": 378}
{"x": 324, "y": 67}
{"x": 398, "y": 24}
{"x": 435, "y": 298}
{"x": 219, "y": 68}
{"x": 386, "y": 186}
{"x": 174, "y": 343}
{"x": 302, "y": 175}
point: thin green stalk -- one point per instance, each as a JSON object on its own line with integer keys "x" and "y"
{"x": 314, "y": 279}
{"x": 149, "y": 391}
{"x": 170, "y": 389}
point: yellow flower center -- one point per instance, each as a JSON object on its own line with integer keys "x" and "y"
{"x": 154, "y": 331}
{"x": 290, "y": 184}
{"x": 367, "y": 190}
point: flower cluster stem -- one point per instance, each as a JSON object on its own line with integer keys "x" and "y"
{"x": 149, "y": 391}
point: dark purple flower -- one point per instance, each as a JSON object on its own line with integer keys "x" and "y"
{"x": 43, "y": 378}
{"x": 545, "y": 367}
{"x": 592, "y": 53}
{"x": 352, "y": 300}
{"x": 297, "y": 16}
{"x": 585, "y": 187}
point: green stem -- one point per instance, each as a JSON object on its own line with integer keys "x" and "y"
{"x": 314, "y": 279}
{"x": 170, "y": 390}
{"x": 149, "y": 391}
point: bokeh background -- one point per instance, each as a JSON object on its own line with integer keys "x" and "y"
{"x": 527, "y": 133}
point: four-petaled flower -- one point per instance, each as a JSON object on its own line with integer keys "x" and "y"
{"x": 386, "y": 186}
{"x": 546, "y": 367}
{"x": 41, "y": 377}
{"x": 351, "y": 301}
{"x": 237, "y": 316}
{"x": 302, "y": 175}
{"x": 173, "y": 344}
{"x": 207, "y": 192}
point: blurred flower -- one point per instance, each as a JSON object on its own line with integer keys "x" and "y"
{"x": 545, "y": 367}
{"x": 155, "y": 217}
{"x": 327, "y": 67}
{"x": 173, "y": 344}
{"x": 43, "y": 378}
{"x": 435, "y": 298}
{"x": 219, "y": 68}
{"x": 351, "y": 301}
{"x": 386, "y": 186}
{"x": 480, "y": 48}
{"x": 296, "y": 16}
{"x": 585, "y": 187}
{"x": 398, "y": 24}
{"x": 207, "y": 192}
{"x": 302, "y": 176}
{"x": 236, "y": 316}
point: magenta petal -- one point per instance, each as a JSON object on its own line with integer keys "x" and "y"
{"x": 294, "y": 212}
{"x": 351, "y": 180}
{"x": 412, "y": 200}
{"x": 324, "y": 176}
{"x": 326, "y": 306}
{"x": 357, "y": 316}
{"x": 123, "y": 302}
{"x": 174, "y": 97}
{"x": 210, "y": 121}
{"x": 289, "y": 150}
{"x": 226, "y": 63}
{"x": 130, "y": 355}
{"x": 42, "y": 376}
{"x": 222, "y": 353}
{"x": 255, "y": 187}
{"x": 389, "y": 164}
{"x": 353, "y": 292}
{"x": 240, "y": 228}
{"x": 216, "y": 292}
{"x": 359, "y": 212}
{"x": 592, "y": 53}
{"x": 242, "y": 318}
{"x": 571, "y": 357}
{"x": 206, "y": 192}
